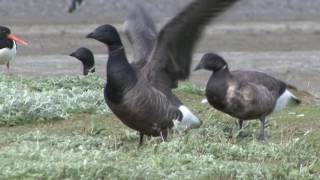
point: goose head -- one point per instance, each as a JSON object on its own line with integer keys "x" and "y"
{"x": 212, "y": 62}
{"x": 86, "y": 57}
{"x": 108, "y": 35}
{"x": 5, "y": 34}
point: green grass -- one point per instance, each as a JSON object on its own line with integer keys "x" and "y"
{"x": 24, "y": 100}
{"x": 90, "y": 143}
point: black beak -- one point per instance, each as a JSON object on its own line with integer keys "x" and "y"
{"x": 90, "y": 35}
{"x": 200, "y": 66}
{"x": 72, "y": 54}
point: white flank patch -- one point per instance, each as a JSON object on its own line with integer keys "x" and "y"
{"x": 189, "y": 120}
{"x": 204, "y": 101}
{"x": 283, "y": 100}
{"x": 7, "y": 54}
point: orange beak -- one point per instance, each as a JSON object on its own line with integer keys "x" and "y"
{"x": 17, "y": 39}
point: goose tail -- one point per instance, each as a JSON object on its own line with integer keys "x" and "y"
{"x": 188, "y": 120}
{"x": 296, "y": 100}
{"x": 285, "y": 99}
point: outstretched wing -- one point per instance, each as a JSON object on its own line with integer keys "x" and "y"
{"x": 171, "y": 58}
{"x": 141, "y": 32}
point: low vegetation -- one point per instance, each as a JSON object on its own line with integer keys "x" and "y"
{"x": 25, "y": 100}
{"x": 59, "y": 128}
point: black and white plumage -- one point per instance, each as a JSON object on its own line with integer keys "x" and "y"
{"x": 8, "y": 46}
{"x": 141, "y": 96}
{"x": 245, "y": 95}
{"x": 85, "y": 56}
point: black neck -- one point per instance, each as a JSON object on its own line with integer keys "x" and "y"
{"x": 221, "y": 75}
{"x": 217, "y": 87}
{"x": 88, "y": 65}
{"x": 223, "y": 70}
{"x": 120, "y": 75}
{"x": 117, "y": 60}
{"x": 114, "y": 48}
{"x": 87, "y": 70}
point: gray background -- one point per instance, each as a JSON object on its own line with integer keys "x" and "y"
{"x": 48, "y": 11}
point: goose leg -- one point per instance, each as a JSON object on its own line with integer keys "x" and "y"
{"x": 240, "y": 123}
{"x": 266, "y": 124}
{"x": 8, "y": 68}
{"x": 141, "y": 140}
{"x": 262, "y": 129}
{"x": 164, "y": 135}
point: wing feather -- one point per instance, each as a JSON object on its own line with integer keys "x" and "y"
{"x": 171, "y": 58}
{"x": 141, "y": 32}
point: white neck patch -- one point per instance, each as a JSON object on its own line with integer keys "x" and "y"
{"x": 90, "y": 70}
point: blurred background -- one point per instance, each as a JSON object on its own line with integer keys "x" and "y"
{"x": 281, "y": 38}
{"x": 101, "y": 11}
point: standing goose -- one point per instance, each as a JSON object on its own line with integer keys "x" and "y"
{"x": 141, "y": 97}
{"x": 8, "y": 47}
{"x": 245, "y": 95}
{"x": 86, "y": 57}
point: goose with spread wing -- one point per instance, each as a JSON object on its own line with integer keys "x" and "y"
{"x": 141, "y": 96}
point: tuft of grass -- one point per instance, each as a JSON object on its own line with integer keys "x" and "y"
{"x": 191, "y": 88}
{"x": 26, "y": 100}
{"x": 206, "y": 153}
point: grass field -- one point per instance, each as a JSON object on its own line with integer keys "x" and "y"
{"x": 60, "y": 128}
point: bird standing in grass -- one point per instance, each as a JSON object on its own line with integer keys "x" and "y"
{"x": 245, "y": 95}
{"x": 141, "y": 96}
{"x": 86, "y": 57}
{"x": 8, "y": 46}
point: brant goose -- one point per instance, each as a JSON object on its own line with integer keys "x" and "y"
{"x": 8, "y": 47}
{"x": 141, "y": 96}
{"x": 86, "y": 57}
{"x": 245, "y": 95}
